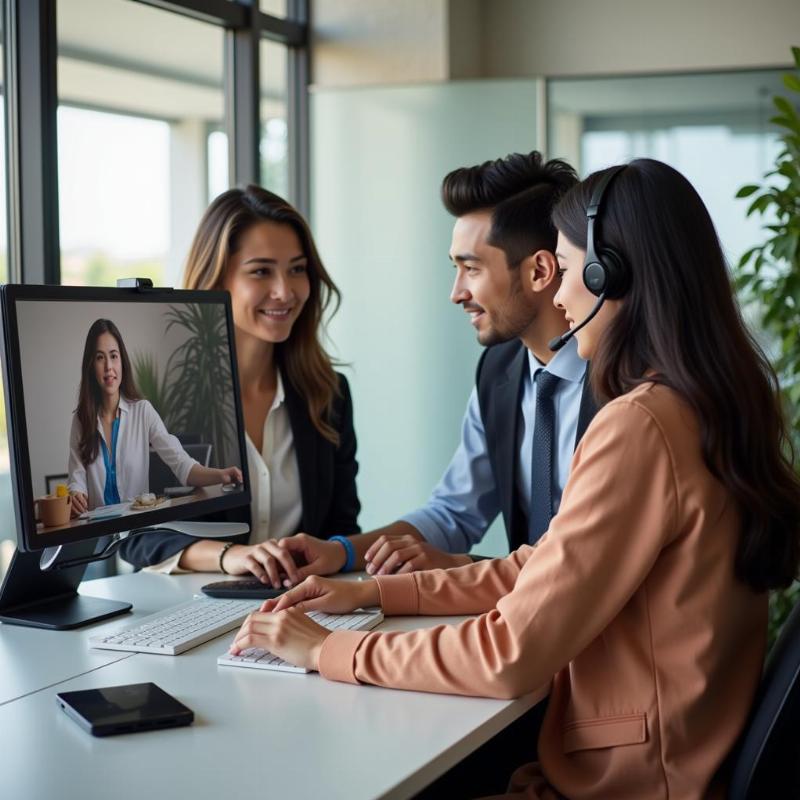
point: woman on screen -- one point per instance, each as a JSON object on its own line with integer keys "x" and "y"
{"x": 301, "y": 447}
{"x": 645, "y": 603}
{"x": 113, "y": 429}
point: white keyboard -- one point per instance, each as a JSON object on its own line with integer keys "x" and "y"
{"x": 257, "y": 658}
{"x": 179, "y": 628}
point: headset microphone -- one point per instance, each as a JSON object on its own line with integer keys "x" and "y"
{"x": 605, "y": 273}
{"x": 556, "y": 344}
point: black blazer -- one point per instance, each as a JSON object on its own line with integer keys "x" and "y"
{"x": 327, "y": 484}
{"x": 499, "y": 377}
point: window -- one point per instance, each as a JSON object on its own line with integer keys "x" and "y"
{"x": 140, "y": 92}
{"x": 142, "y": 137}
{"x": 274, "y": 125}
{"x": 275, "y": 7}
{"x": 714, "y": 128}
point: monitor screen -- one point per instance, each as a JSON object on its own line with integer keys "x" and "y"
{"x": 123, "y": 410}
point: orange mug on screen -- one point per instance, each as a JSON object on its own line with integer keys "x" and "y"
{"x": 52, "y": 511}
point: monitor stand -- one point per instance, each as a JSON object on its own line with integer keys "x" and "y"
{"x": 49, "y": 599}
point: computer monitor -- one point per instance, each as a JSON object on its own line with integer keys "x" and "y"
{"x": 123, "y": 414}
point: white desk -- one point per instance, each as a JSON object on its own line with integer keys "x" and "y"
{"x": 256, "y": 734}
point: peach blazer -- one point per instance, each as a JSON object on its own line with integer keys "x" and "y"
{"x": 628, "y": 604}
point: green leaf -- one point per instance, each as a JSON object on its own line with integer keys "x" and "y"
{"x": 746, "y": 191}
{"x": 760, "y": 204}
{"x": 748, "y": 255}
{"x": 792, "y": 82}
{"x": 796, "y": 54}
{"x": 785, "y": 107}
{"x": 785, "y": 122}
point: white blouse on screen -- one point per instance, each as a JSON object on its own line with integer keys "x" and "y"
{"x": 276, "y": 510}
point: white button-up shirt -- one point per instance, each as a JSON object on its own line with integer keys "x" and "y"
{"x": 276, "y": 509}
{"x": 140, "y": 428}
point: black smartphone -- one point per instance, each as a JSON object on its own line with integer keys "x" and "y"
{"x": 245, "y": 588}
{"x": 124, "y": 709}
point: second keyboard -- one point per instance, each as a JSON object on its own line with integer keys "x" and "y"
{"x": 179, "y": 628}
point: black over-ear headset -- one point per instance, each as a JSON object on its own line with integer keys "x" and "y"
{"x": 605, "y": 273}
{"x": 604, "y": 270}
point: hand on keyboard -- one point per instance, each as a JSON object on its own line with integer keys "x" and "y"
{"x": 325, "y": 594}
{"x": 289, "y": 634}
{"x": 260, "y": 658}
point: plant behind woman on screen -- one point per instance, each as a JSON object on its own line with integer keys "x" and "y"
{"x": 768, "y": 275}
{"x": 301, "y": 357}
{"x": 199, "y": 382}
{"x": 193, "y": 395}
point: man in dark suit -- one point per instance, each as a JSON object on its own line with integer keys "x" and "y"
{"x": 529, "y": 406}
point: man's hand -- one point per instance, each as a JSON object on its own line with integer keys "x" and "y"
{"x": 407, "y": 553}
{"x": 319, "y": 556}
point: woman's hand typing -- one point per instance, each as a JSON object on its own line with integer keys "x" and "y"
{"x": 289, "y": 634}
{"x": 325, "y": 594}
{"x": 282, "y": 627}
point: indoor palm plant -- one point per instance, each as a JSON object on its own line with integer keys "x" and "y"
{"x": 193, "y": 396}
{"x": 769, "y": 275}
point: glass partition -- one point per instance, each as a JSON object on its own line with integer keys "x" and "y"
{"x": 379, "y": 156}
{"x": 714, "y": 128}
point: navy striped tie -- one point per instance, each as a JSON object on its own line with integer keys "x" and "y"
{"x": 541, "y": 510}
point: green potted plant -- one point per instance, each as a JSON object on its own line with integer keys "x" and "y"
{"x": 769, "y": 276}
{"x": 192, "y": 397}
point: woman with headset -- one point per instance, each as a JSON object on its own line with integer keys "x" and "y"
{"x": 645, "y": 603}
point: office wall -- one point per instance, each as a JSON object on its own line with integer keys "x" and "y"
{"x": 378, "y": 158}
{"x": 590, "y": 37}
{"x": 369, "y": 42}
{"x": 378, "y": 41}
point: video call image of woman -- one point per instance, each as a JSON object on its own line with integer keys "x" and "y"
{"x": 113, "y": 429}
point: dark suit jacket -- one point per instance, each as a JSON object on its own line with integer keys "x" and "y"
{"x": 327, "y": 484}
{"x": 499, "y": 377}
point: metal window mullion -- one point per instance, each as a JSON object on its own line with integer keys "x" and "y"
{"x": 217, "y": 12}
{"x": 31, "y": 141}
{"x": 242, "y": 103}
{"x": 298, "y": 112}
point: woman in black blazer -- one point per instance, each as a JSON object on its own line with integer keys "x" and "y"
{"x": 298, "y": 413}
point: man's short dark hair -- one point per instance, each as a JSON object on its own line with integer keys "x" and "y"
{"x": 520, "y": 190}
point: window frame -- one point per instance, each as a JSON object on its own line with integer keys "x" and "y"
{"x": 30, "y": 82}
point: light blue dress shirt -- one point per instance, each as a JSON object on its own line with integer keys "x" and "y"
{"x": 466, "y": 501}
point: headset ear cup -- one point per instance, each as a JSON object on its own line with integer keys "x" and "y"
{"x": 595, "y": 277}
{"x": 616, "y": 273}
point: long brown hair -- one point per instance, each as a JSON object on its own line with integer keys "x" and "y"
{"x": 302, "y": 358}
{"x": 90, "y": 395}
{"x": 680, "y": 320}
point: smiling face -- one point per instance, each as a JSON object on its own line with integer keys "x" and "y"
{"x": 577, "y": 301}
{"x": 492, "y": 294}
{"x": 268, "y": 281}
{"x": 108, "y": 364}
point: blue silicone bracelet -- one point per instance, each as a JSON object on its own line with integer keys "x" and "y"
{"x": 350, "y": 553}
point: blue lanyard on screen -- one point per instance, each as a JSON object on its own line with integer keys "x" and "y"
{"x": 110, "y": 492}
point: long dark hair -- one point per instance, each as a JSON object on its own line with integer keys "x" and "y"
{"x": 307, "y": 366}
{"x": 681, "y": 321}
{"x": 90, "y": 395}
